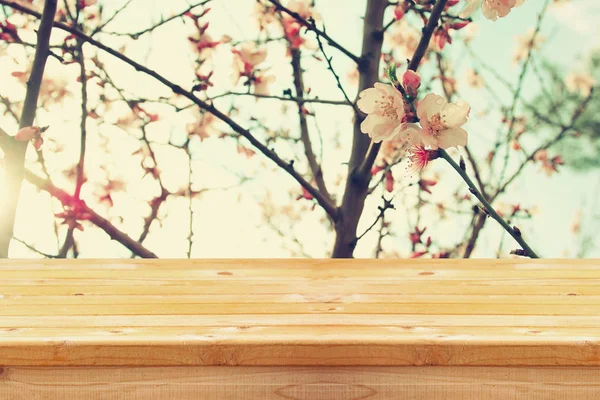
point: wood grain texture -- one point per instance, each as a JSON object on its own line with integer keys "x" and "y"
{"x": 300, "y": 383}
{"x": 300, "y": 312}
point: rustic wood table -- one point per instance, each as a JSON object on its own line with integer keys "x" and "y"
{"x": 300, "y": 329}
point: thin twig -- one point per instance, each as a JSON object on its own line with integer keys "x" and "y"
{"x": 294, "y": 99}
{"x": 319, "y": 32}
{"x": 561, "y": 135}
{"x": 100, "y": 27}
{"x": 514, "y": 232}
{"x": 517, "y": 94}
{"x": 387, "y": 204}
{"x": 335, "y": 75}
{"x": 136, "y": 35}
{"x": 30, "y": 247}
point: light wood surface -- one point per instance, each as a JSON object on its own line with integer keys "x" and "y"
{"x": 299, "y": 312}
{"x": 300, "y": 383}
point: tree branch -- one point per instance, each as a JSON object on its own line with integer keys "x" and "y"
{"x": 335, "y": 75}
{"x": 315, "y": 168}
{"x": 514, "y": 232}
{"x": 329, "y": 208}
{"x": 95, "y": 218}
{"x": 319, "y": 32}
{"x": 14, "y": 156}
{"x": 427, "y": 33}
{"x": 295, "y": 99}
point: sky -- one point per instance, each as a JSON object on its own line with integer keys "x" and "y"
{"x": 229, "y": 223}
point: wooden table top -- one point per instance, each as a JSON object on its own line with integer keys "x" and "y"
{"x": 300, "y": 312}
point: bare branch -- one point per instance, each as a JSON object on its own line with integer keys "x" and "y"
{"x": 295, "y": 99}
{"x": 329, "y": 208}
{"x": 513, "y": 231}
{"x": 315, "y": 168}
{"x": 335, "y": 75}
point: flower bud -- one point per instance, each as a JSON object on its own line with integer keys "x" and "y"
{"x": 459, "y": 25}
{"x": 411, "y": 82}
{"x": 399, "y": 11}
{"x": 27, "y": 133}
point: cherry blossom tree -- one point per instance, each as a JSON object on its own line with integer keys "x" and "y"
{"x": 137, "y": 125}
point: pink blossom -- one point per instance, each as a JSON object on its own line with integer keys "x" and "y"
{"x": 442, "y": 121}
{"x": 400, "y": 10}
{"x": 27, "y": 133}
{"x": 31, "y": 133}
{"x": 389, "y": 181}
{"x": 8, "y": 32}
{"x": 87, "y": 3}
{"x": 548, "y": 165}
{"x": 529, "y": 41}
{"x": 250, "y": 54}
{"x": 491, "y": 9}
{"x": 419, "y": 157}
{"x": 580, "y": 82}
{"x": 403, "y": 38}
{"x": 424, "y": 184}
{"x": 262, "y": 83}
{"x": 385, "y": 108}
{"x": 246, "y": 58}
{"x": 415, "y": 237}
{"x": 441, "y": 37}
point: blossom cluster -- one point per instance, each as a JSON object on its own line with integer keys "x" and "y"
{"x": 435, "y": 123}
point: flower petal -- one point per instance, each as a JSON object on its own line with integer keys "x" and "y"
{"x": 469, "y": 8}
{"x": 452, "y": 137}
{"x": 378, "y": 127}
{"x": 367, "y": 98}
{"x": 411, "y": 133}
{"x": 455, "y": 114}
{"x": 430, "y": 105}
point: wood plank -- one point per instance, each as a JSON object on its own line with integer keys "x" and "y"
{"x": 303, "y": 334}
{"x": 260, "y": 354}
{"x": 167, "y": 274}
{"x": 301, "y": 308}
{"x": 141, "y": 286}
{"x": 401, "y": 320}
{"x": 329, "y": 298}
{"x": 299, "y": 383}
{"x": 303, "y": 264}
{"x": 300, "y": 312}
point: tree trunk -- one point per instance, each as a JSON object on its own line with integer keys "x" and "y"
{"x": 357, "y": 183}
